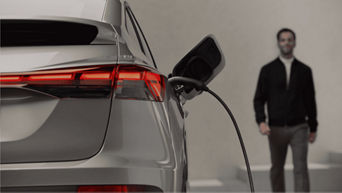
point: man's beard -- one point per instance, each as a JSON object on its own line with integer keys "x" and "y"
{"x": 286, "y": 51}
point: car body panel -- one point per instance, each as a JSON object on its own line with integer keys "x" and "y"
{"x": 26, "y": 59}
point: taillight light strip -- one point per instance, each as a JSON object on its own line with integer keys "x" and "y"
{"x": 96, "y": 76}
{"x": 50, "y": 77}
{"x": 135, "y": 82}
{"x": 10, "y": 78}
{"x": 118, "y": 189}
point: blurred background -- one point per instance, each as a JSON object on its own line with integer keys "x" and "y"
{"x": 247, "y": 31}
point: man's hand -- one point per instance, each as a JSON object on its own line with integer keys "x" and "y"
{"x": 264, "y": 129}
{"x": 312, "y": 137}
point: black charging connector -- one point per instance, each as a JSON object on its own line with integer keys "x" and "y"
{"x": 180, "y": 83}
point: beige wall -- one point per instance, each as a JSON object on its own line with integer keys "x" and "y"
{"x": 246, "y": 30}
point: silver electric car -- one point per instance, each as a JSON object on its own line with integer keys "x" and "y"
{"x": 83, "y": 105}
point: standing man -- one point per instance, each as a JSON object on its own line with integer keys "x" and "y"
{"x": 286, "y": 86}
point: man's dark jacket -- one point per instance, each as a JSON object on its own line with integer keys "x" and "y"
{"x": 286, "y": 105}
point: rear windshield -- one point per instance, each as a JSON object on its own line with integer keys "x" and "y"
{"x": 45, "y": 33}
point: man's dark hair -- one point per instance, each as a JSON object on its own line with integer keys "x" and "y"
{"x": 286, "y": 30}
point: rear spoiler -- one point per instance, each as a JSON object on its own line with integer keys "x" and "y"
{"x": 107, "y": 33}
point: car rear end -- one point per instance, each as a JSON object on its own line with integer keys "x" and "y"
{"x": 79, "y": 112}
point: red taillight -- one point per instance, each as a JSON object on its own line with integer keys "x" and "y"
{"x": 85, "y": 82}
{"x": 129, "y": 81}
{"x": 133, "y": 82}
{"x": 9, "y": 78}
{"x": 129, "y": 75}
{"x": 50, "y": 77}
{"x": 118, "y": 188}
{"x": 96, "y": 76}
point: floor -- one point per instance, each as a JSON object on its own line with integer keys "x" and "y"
{"x": 324, "y": 177}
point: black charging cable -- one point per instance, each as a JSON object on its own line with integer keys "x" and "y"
{"x": 184, "y": 83}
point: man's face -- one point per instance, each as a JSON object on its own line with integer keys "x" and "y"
{"x": 286, "y": 43}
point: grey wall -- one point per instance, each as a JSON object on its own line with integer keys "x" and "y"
{"x": 246, "y": 30}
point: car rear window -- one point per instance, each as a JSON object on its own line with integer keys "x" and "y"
{"x": 45, "y": 33}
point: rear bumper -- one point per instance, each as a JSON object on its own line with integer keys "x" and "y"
{"x": 72, "y": 174}
{"x": 103, "y": 169}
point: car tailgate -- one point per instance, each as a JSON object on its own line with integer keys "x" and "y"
{"x": 41, "y": 126}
